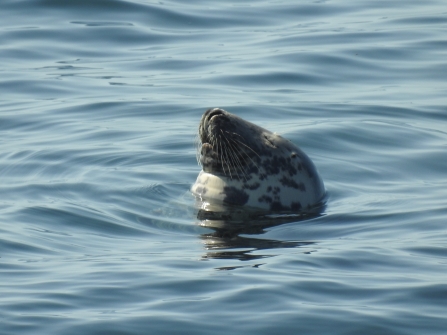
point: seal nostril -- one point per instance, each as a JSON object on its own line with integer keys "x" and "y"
{"x": 214, "y": 112}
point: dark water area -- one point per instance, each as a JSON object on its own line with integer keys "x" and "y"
{"x": 99, "y": 108}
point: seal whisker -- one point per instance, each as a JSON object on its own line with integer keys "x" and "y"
{"x": 246, "y": 157}
{"x": 239, "y": 157}
{"x": 221, "y": 154}
{"x": 227, "y": 156}
{"x": 247, "y": 147}
{"x": 246, "y": 154}
{"x": 223, "y": 160}
{"x": 235, "y": 158}
{"x": 236, "y": 153}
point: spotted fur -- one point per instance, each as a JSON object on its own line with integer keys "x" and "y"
{"x": 246, "y": 165}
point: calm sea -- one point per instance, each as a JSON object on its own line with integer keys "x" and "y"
{"x": 99, "y": 106}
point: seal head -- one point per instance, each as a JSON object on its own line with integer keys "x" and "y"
{"x": 246, "y": 165}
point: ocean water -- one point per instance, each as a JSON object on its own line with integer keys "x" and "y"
{"x": 100, "y": 102}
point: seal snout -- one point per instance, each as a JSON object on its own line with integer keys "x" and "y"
{"x": 212, "y": 121}
{"x": 210, "y": 113}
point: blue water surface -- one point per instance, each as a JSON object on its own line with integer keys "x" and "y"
{"x": 99, "y": 107}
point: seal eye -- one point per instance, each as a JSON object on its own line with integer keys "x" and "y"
{"x": 293, "y": 155}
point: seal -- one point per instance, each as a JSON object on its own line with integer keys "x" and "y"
{"x": 246, "y": 165}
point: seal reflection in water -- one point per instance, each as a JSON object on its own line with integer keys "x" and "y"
{"x": 246, "y": 165}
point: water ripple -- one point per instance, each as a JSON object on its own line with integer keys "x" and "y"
{"x": 100, "y": 105}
